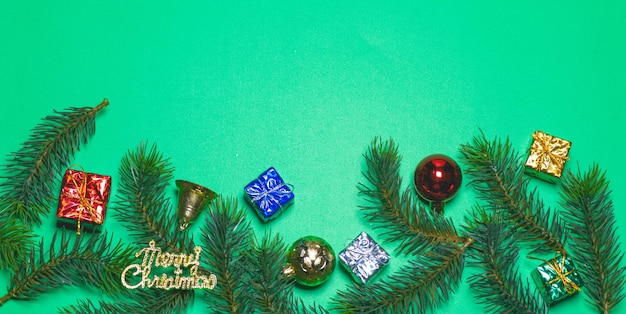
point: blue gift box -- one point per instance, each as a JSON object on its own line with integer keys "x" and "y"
{"x": 363, "y": 258}
{"x": 269, "y": 194}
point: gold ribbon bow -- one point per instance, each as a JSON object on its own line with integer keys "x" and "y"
{"x": 570, "y": 286}
{"x": 82, "y": 198}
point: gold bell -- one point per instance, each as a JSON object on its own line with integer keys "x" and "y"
{"x": 192, "y": 199}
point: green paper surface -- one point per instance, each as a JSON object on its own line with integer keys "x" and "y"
{"x": 228, "y": 90}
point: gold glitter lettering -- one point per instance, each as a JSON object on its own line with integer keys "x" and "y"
{"x": 137, "y": 276}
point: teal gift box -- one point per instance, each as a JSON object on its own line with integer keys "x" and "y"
{"x": 557, "y": 279}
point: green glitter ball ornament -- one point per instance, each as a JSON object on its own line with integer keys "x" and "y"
{"x": 310, "y": 261}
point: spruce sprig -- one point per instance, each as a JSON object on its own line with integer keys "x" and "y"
{"x": 86, "y": 306}
{"x": 33, "y": 170}
{"x": 93, "y": 260}
{"x": 270, "y": 292}
{"x": 142, "y": 206}
{"x": 495, "y": 253}
{"x": 144, "y": 210}
{"x": 162, "y": 301}
{"x": 423, "y": 284}
{"x": 588, "y": 212}
{"x": 226, "y": 239}
{"x": 399, "y": 214}
{"x": 497, "y": 173}
{"x": 298, "y": 306}
{"x": 436, "y": 249}
{"x": 248, "y": 271}
{"x": 143, "y": 301}
{"x": 15, "y": 241}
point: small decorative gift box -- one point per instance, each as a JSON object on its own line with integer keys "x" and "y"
{"x": 84, "y": 197}
{"x": 547, "y": 157}
{"x": 269, "y": 194}
{"x": 363, "y": 258}
{"x": 557, "y": 279}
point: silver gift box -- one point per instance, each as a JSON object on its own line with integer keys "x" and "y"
{"x": 364, "y": 258}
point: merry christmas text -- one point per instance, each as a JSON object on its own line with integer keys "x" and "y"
{"x": 141, "y": 277}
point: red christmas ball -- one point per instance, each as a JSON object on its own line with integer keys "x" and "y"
{"x": 437, "y": 179}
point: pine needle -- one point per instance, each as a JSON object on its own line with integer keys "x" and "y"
{"x": 495, "y": 253}
{"x": 226, "y": 238}
{"x": 427, "y": 281}
{"x": 94, "y": 261}
{"x": 437, "y": 250}
{"x": 588, "y": 212}
{"x": 298, "y": 306}
{"x": 498, "y": 176}
{"x": 142, "y": 206}
{"x": 270, "y": 291}
{"x": 32, "y": 171}
{"x": 248, "y": 272}
{"x": 15, "y": 242}
{"x": 153, "y": 301}
{"x": 86, "y": 306}
{"x": 399, "y": 214}
{"x": 145, "y": 211}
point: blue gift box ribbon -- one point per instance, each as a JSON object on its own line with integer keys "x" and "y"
{"x": 269, "y": 192}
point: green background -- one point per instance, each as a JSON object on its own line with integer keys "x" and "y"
{"x": 228, "y": 90}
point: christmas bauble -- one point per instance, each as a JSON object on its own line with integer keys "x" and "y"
{"x": 310, "y": 261}
{"x": 437, "y": 179}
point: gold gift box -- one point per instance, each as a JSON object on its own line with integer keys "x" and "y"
{"x": 547, "y": 157}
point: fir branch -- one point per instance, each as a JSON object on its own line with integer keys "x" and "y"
{"x": 86, "y": 306}
{"x": 226, "y": 236}
{"x": 423, "y": 284}
{"x": 15, "y": 242}
{"x": 592, "y": 225}
{"x": 160, "y": 301}
{"x": 495, "y": 252}
{"x": 143, "y": 209}
{"x": 400, "y": 215}
{"x": 152, "y": 301}
{"x": 298, "y": 306}
{"x": 270, "y": 291}
{"x": 142, "y": 206}
{"x": 431, "y": 277}
{"x": 33, "y": 170}
{"x": 497, "y": 173}
{"x": 96, "y": 261}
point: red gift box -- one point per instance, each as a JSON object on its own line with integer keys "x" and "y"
{"x": 84, "y": 197}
